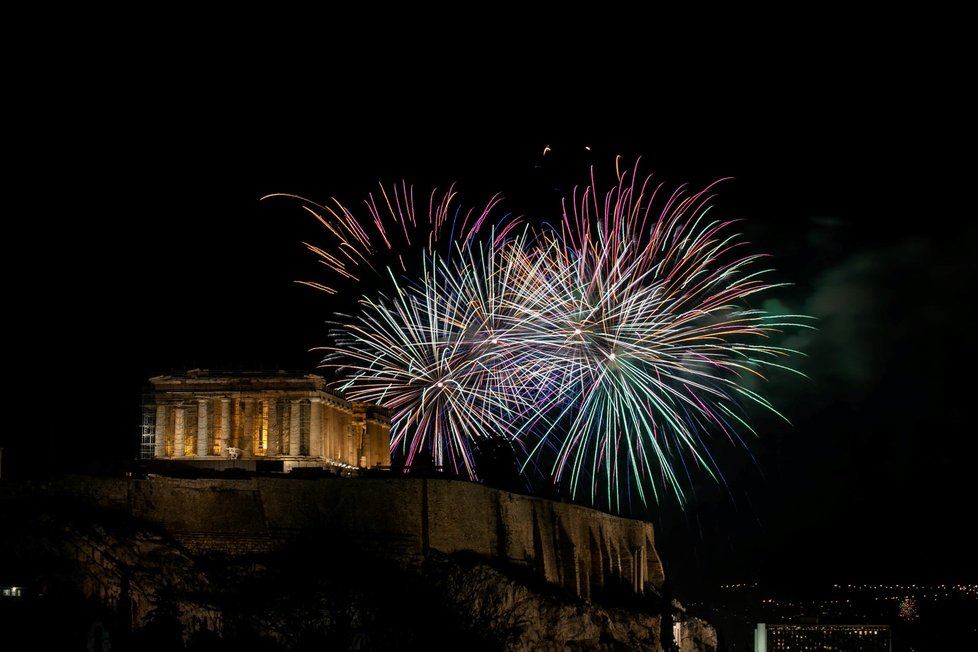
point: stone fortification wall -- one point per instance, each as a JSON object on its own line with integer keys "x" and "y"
{"x": 577, "y": 548}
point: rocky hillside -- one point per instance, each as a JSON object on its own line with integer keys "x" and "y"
{"x": 94, "y": 577}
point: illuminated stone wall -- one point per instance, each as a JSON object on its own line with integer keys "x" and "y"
{"x": 580, "y": 549}
{"x": 199, "y": 417}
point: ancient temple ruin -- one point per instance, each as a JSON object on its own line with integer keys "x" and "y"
{"x": 273, "y": 422}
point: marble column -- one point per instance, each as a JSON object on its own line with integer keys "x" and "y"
{"x": 330, "y": 445}
{"x": 159, "y": 449}
{"x": 178, "y": 431}
{"x": 349, "y": 430}
{"x": 274, "y": 444}
{"x": 315, "y": 427}
{"x": 247, "y": 432}
{"x": 203, "y": 433}
{"x": 225, "y": 425}
{"x": 294, "y": 428}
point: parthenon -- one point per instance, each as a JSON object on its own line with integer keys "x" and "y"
{"x": 282, "y": 420}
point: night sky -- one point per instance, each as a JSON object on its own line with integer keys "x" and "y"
{"x": 150, "y": 251}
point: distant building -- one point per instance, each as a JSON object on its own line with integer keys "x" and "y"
{"x": 11, "y": 591}
{"x": 817, "y": 637}
{"x": 273, "y": 421}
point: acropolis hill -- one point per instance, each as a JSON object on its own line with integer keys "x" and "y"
{"x": 284, "y": 559}
{"x": 298, "y": 541}
{"x": 573, "y": 547}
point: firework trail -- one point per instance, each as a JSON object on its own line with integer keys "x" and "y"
{"x": 610, "y": 351}
{"x": 643, "y": 321}
{"x": 407, "y": 352}
{"x": 437, "y": 354}
{"x": 395, "y": 231}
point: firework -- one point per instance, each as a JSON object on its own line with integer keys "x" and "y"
{"x": 438, "y": 354}
{"x": 643, "y": 323}
{"x": 395, "y": 231}
{"x": 610, "y": 352}
{"x": 907, "y": 609}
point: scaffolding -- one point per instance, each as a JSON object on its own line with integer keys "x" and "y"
{"x": 147, "y": 442}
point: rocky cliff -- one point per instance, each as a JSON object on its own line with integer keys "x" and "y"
{"x": 169, "y": 564}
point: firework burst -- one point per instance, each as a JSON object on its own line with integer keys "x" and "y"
{"x": 436, "y": 352}
{"x": 644, "y": 324}
{"x": 395, "y": 232}
{"x": 610, "y": 352}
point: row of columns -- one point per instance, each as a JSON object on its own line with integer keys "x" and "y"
{"x": 205, "y": 437}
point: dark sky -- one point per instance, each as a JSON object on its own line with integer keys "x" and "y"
{"x": 149, "y": 251}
